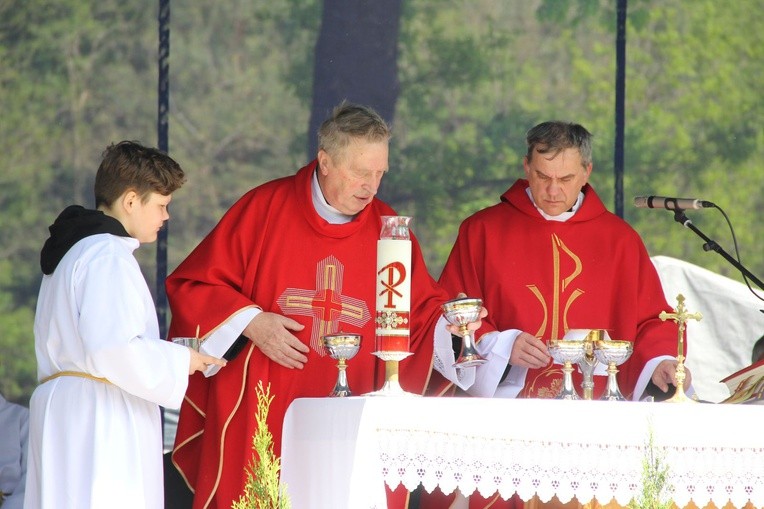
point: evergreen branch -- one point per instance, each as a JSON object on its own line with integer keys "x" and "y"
{"x": 655, "y": 474}
{"x": 263, "y": 489}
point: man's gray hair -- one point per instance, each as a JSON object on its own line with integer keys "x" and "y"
{"x": 351, "y": 121}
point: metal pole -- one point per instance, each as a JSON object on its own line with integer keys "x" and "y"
{"x": 620, "y": 97}
{"x": 163, "y": 144}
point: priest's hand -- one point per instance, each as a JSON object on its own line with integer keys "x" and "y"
{"x": 270, "y": 333}
{"x": 201, "y": 361}
{"x": 665, "y": 374}
{"x": 472, "y": 326}
{"x": 529, "y": 352}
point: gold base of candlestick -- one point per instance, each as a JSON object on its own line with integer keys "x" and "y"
{"x": 679, "y": 396}
{"x": 391, "y": 387}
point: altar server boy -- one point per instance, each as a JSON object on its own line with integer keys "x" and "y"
{"x": 95, "y": 436}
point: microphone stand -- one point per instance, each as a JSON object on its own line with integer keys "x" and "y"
{"x": 711, "y": 245}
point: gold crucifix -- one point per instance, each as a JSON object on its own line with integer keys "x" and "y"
{"x": 680, "y": 316}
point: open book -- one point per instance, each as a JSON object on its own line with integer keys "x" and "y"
{"x": 746, "y": 385}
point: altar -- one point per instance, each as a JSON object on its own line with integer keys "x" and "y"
{"x": 339, "y": 452}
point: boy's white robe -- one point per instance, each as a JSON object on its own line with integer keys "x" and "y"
{"x": 95, "y": 444}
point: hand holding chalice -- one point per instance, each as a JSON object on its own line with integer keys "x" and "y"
{"x": 461, "y": 312}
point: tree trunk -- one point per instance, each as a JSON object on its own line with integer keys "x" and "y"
{"x": 356, "y": 59}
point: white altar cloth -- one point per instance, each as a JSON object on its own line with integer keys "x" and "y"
{"x": 337, "y": 452}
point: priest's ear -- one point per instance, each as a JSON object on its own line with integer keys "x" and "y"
{"x": 324, "y": 162}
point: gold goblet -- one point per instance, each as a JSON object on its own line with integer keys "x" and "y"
{"x": 567, "y": 352}
{"x": 613, "y": 353}
{"x": 342, "y": 347}
{"x": 461, "y": 312}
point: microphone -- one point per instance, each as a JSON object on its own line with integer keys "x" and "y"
{"x": 663, "y": 202}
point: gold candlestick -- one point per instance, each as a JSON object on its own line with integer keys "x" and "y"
{"x": 680, "y": 316}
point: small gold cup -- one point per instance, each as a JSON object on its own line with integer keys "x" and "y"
{"x": 342, "y": 347}
{"x": 567, "y": 352}
{"x": 613, "y": 353}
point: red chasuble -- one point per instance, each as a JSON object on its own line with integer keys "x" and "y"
{"x": 272, "y": 250}
{"x": 546, "y": 277}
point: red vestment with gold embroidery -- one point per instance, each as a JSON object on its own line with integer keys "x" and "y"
{"x": 272, "y": 249}
{"x": 546, "y": 277}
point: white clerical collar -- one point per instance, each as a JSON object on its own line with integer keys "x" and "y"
{"x": 322, "y": 206}
{"x": 565, "y": 215}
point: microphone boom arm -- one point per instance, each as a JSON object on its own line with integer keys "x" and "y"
{"x": 711, "y": 245}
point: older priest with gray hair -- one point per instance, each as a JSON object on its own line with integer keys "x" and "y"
{"x": 291, "y": 261}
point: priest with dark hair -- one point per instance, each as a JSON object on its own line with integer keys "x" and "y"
{"x": 548, "y": 258}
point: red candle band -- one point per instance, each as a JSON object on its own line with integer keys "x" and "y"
{"x": 392, "y": 343}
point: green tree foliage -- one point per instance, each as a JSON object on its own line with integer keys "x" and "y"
{"x": 475, "y": 76}
{"x": 74, "y": 77}
{"x": 694, "y": 124}
{"x": 263, "y": 488}
{"x": 240, "y": 84}
{"x": 656, "y": 489}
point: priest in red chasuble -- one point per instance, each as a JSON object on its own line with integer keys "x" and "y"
{"x": 293, "y": 260}
{"x": 548, "y": 258}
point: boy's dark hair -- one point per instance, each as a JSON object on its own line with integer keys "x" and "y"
{"x": 128, "y": 165}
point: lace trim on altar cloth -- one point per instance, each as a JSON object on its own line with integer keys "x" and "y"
{"x": 566, "y": 469}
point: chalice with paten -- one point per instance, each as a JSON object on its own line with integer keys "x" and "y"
{"x": 342, "y": 347}
{"x": 461, "y": 312}
{"x": 613, "y": 353}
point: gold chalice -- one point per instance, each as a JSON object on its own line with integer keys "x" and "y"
{"x": 567, "y": 352}
{"x": 342, "y": 347}
{"x": 613, "y": 353}
{"x": 461, "y": 312}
